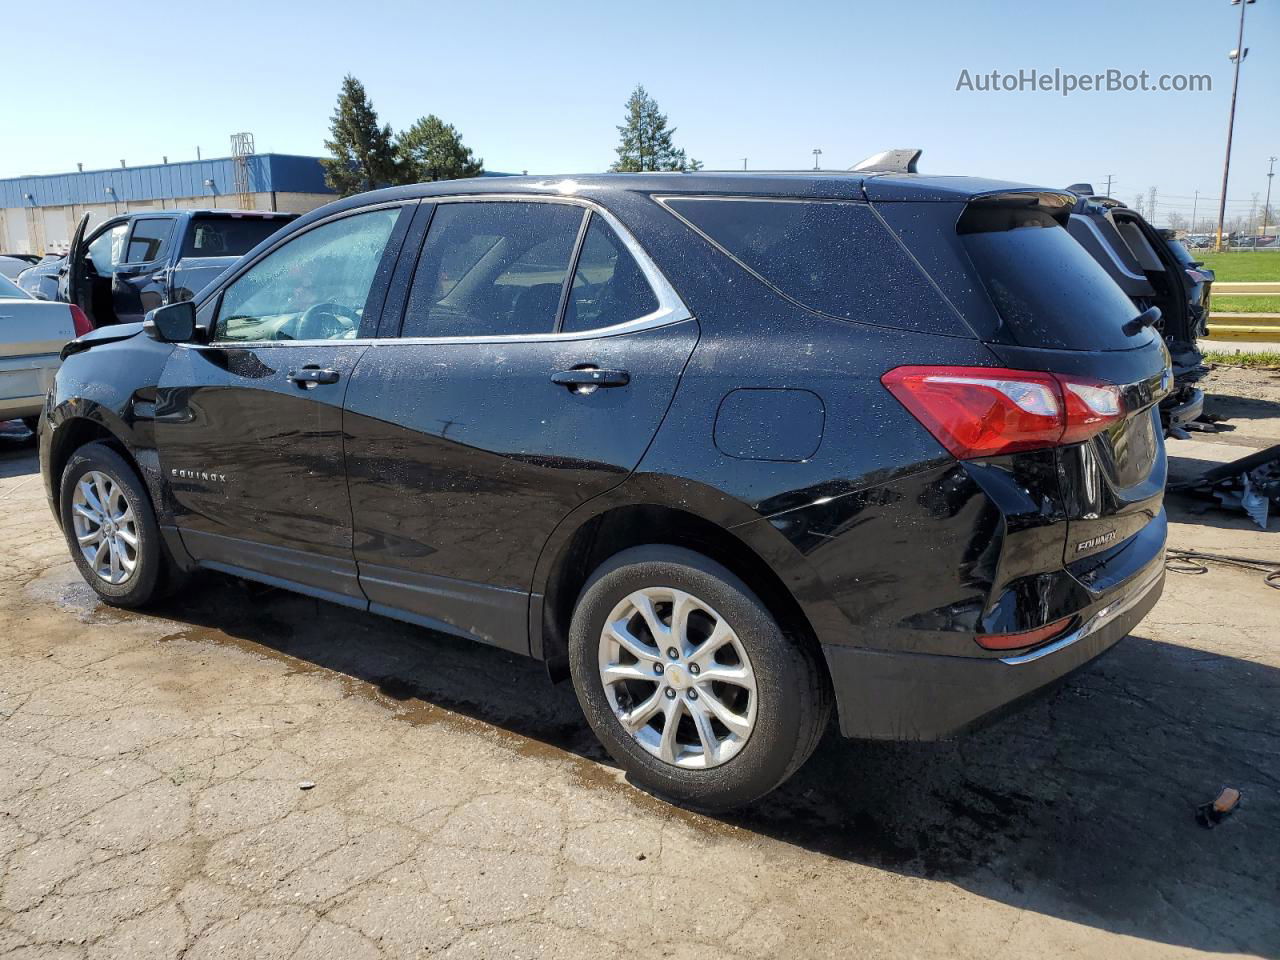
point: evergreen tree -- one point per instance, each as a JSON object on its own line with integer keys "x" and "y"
{"x": 363, "y": 154}
{"x": 433, "y": 150}
{"x": 646, "y": 140}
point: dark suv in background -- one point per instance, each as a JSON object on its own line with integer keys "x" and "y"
{"x": 722, "y": 447}
{"x": 133, "y": 263}
{"x": 1155, "y": 271}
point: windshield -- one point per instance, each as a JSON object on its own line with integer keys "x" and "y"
{"x": 228, "y": 236}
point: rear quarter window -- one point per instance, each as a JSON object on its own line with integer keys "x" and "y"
{"x": 834, "y": 257}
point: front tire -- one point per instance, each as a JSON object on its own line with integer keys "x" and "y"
{"x": 110, "y": 526}
{"x": 688, "y": 680}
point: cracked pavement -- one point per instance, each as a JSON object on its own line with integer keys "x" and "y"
{"x": 150, "y": 799}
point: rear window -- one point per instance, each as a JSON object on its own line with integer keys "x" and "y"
{"x": 835, "y": 257}
{"x": 227, "y": 236}
{"x": 1046, "y": 287}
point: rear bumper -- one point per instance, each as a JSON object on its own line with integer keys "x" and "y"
{"x": 907, "y": 696}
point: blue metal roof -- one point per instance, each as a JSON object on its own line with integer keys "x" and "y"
{"x": 283, "y": 173}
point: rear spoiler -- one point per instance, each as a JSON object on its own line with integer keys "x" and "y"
{"x": 109, "y": 334}
{"x": 900, "y": 160}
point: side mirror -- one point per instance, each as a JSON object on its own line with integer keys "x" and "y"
{"x": 175, "y": 323}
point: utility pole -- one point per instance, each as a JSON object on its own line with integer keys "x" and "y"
{"x": 1195, "y": 202}
{"x": 1266, "y": 207}
{"x": 1151, "y": 203}
{"x": 816, "y": 154}
{"x": 744, "y": 163}
{"x": 1236, "y": 56}
{"x": 1110, "y": 177}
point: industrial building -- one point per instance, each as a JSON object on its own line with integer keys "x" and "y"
{"x": 39, "y": 214}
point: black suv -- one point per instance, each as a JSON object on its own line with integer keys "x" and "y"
{"x": 725, "y": 448}
{"x": 1155, "y": 270}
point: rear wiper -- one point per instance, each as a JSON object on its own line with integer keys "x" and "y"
{"x": 1147, "y": 318}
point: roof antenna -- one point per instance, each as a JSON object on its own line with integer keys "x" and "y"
{"x": 900, "y": 160}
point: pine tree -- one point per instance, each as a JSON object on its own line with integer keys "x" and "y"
{"x": 433, "y": 150}
{"x": 363, "y": 154}
{"x": 646, "y": 140}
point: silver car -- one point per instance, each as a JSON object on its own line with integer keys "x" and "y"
{"x": 32, "y": 335}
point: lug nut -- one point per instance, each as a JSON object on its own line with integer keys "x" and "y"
{"x": 694, "y": 669}
{"x": 673, "y": 653}
{"x": 693, "y": 694}
{"x": 657, "y": 668}
{"x": 671, "y": 694}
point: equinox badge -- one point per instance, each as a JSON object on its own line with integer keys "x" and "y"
{"x": 210, "y": 475}
{"x": 1096, "y": 541}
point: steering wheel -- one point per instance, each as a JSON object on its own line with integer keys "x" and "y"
{"x": 327, "y": 321}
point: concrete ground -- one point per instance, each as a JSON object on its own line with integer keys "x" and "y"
{"x": 150, "y": 800}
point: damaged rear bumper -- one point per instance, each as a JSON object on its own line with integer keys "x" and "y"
{"x": 884, "y": 695}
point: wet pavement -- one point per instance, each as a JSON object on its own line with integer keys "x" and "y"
{"x": 150, "y": 799}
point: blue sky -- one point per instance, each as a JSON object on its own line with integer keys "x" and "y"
{"x": 541, "y": 86}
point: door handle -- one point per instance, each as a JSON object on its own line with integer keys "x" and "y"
{"x": 309, "y": 376}
{"x": 585, "y": 380}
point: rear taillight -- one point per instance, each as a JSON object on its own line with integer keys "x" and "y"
{"x": 986, "y": 411}
{"x": 80, "y": 321}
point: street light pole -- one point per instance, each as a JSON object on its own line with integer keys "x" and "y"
{"x": 816, "y": 154}
{"x": 1237, "y": 55}
{"x": 1271, "y": 172}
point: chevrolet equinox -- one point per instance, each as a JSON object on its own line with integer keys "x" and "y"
{"x": 727, "y": 449}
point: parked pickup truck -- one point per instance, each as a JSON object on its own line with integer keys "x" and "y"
{"x": 142, "y": 260}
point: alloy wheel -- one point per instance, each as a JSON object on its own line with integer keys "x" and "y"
{"x": 677, "y": 678}
{"x": 105, "y": 527}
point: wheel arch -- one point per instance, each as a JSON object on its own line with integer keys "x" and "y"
{"x": 749, "y": 548}
{"x": 75, "y": 425}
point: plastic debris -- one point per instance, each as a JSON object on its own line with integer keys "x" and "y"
{"x": 1210, "y": 814}
{"x": 1251, "y": 484}
{"x": 306, "y": 784}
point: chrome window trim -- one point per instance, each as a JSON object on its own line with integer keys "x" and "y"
{"x": 671, "y": 309}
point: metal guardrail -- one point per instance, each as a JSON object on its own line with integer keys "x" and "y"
{"x": 1246, "y": 288}
{"x": 1244, "y": 326}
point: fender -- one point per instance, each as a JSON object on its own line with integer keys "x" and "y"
{"x": 87, "y": 401}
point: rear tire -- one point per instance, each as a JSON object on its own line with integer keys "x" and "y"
{"x": 749, "y": 703}
{"x": 110, "y": 526}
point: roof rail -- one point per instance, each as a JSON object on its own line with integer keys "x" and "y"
{"x": 900, "y": 160}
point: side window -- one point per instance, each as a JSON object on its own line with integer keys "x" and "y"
{"x": 314, "y": 287}
{"x": 608, "y": 286}
{"x": 107, "y": 250}
{"x": 492, "y": 268}
{"x": 148, "y": 239}
{"x": 831, "y": 256}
